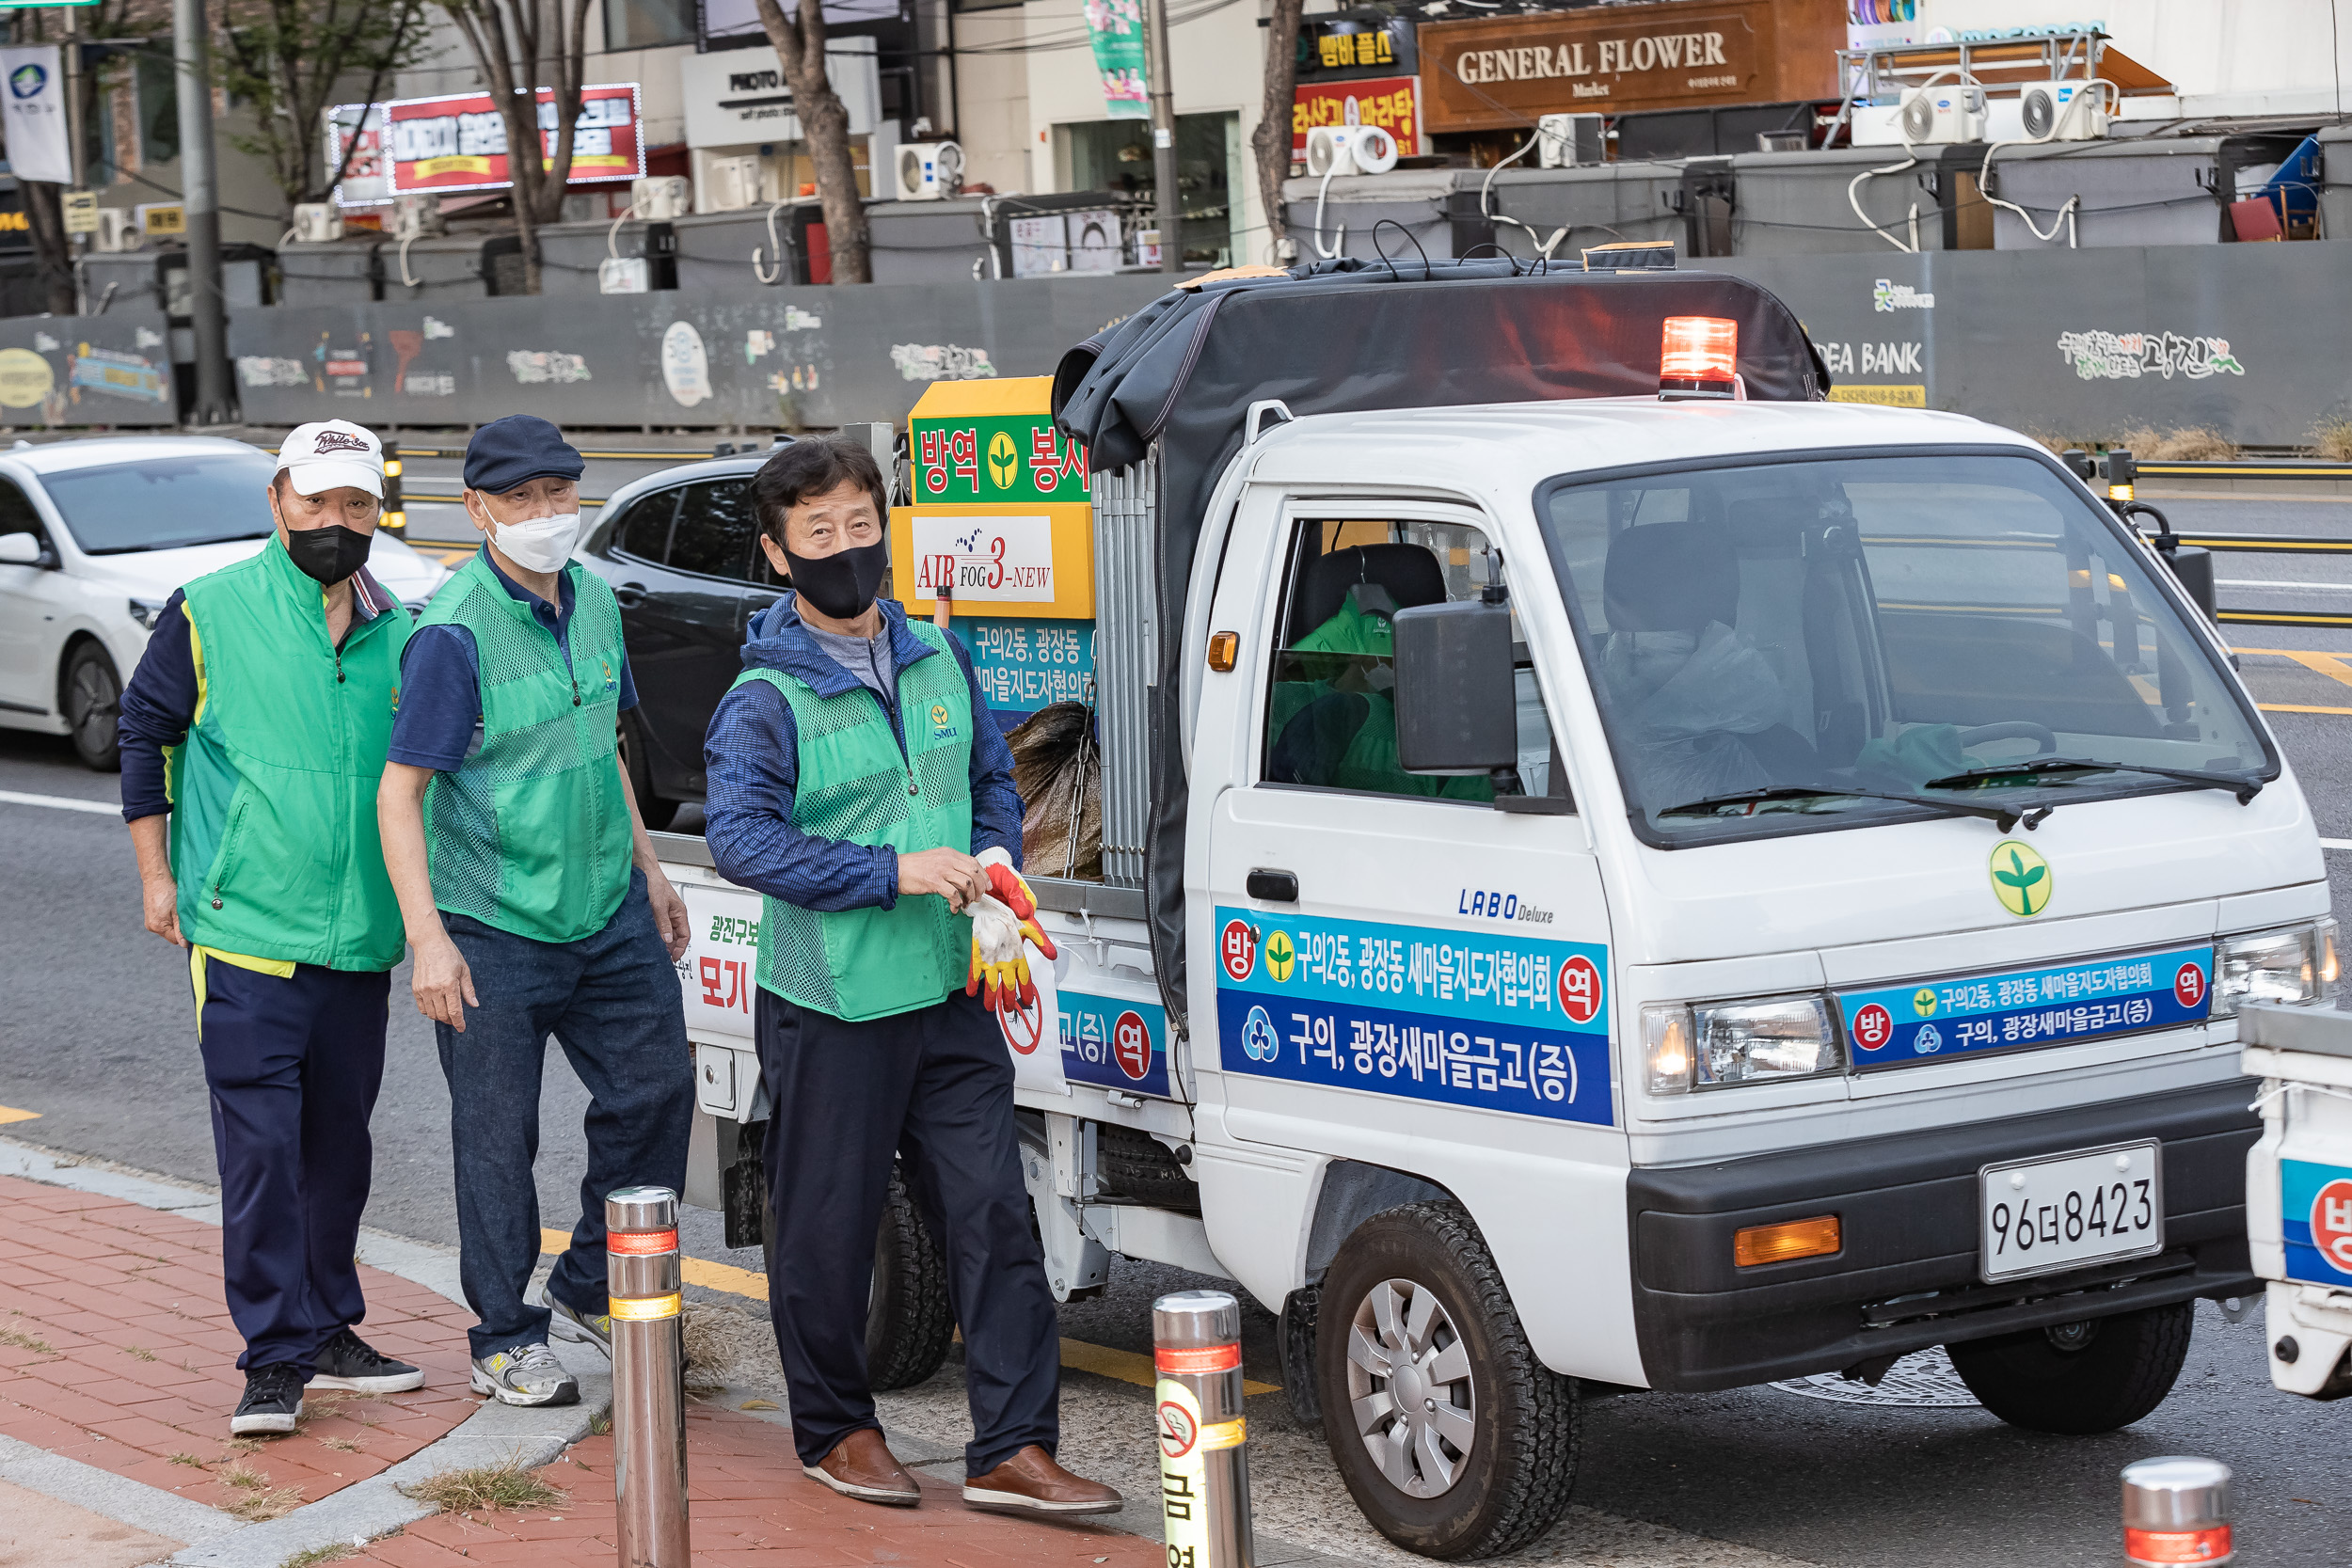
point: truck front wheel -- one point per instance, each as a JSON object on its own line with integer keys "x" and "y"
{"x": 2079, "y": 1378}
{"x": 1455, "y": 1441}
{"x": 909, "y": 1322}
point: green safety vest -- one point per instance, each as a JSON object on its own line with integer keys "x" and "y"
{"x": 856, "y": 784}
{"x": 273, "y": 790}
{"x": 531, "y": 832}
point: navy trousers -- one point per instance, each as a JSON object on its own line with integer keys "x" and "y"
{"x": 294, "y": 1066}
{"x": 612, "y": 1003}
{"x": 934, "y": 1090}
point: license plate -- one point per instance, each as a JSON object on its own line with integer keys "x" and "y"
{"x": 2093, "y": 1206}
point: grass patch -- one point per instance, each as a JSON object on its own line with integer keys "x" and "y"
{"x": 2191, "y": 444}
{"x": 342, "y": 1445}
{"x": 600, "y": 1426}
{"x": 188, "y": 1459}
{"x": 244, "y": 1445}
{"x": 139, "y": 1353}
{"x": 26, "y": 1341}
{"x": 258, "y": 1499}
{"x": 2332, "y": 439}
{"x": 334, "y": 1551}
{"x": 485, "y": 1489}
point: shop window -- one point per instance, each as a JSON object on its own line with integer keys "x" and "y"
{"x": 647, "y": 24}
{"x": 158, "y": 104}
{"x": 1116, "y": 156}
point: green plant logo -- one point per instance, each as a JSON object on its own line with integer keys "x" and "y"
{"x": 2021, "y": 878}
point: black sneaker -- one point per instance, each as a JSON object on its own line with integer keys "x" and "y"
{"x": 272, "y": 1402}
{"x": 347, "y": 1361}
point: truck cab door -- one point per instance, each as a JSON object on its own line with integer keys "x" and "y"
{"x": 1385, "y": 956}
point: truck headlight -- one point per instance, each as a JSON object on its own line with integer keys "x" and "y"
{"x": 1713, "y": 1044}
{"x": 2296, "y": 965}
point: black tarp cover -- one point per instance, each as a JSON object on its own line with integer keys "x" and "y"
{"x": 1347, "y": 336}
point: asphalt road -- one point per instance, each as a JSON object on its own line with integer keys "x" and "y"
{"x": 94, "y": 1036}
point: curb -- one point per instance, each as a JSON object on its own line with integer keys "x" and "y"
{"x": 496, "y": 1433}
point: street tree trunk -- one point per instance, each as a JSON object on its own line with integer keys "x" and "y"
{"x": 52, "y": 258}
{"x": 521, "y": 46}
{"x": 1271, "y": 140}
{"x": 799, "y": 45}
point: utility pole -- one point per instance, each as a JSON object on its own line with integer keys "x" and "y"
{"x": 201, "y": 196}
{"x": 1155, "y": 66}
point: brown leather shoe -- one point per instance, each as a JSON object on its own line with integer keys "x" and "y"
{"x": 861, "y": 1466}
{"x": 1031, "y": 1482}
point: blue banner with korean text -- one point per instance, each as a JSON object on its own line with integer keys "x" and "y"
{"x": 2061, "y": 1005}
{"x": 1462, "y": 1018}
{"x": 1025, "y": 665}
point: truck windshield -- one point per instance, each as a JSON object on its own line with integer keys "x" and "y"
{"x": 1779, "y": 646}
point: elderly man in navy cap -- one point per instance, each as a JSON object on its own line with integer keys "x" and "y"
{"x": 532, "y": 900}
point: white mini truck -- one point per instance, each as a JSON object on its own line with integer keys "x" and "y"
{"x": 1620, "y": 874}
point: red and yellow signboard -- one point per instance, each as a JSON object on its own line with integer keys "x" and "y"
{"x": 1392, "y": 103}
{"x": 1001, "y": 511}
{"x": 458, "y": 142}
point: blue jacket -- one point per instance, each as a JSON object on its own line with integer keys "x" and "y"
{"x": 751, "y": 757}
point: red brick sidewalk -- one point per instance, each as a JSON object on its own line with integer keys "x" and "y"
{"x": 116, "y": 1349}
{"x": 751, "y": 1508}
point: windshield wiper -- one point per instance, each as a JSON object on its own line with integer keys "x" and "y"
{"x": 2005, "y": 817}
{"x": 2236, "y": 783}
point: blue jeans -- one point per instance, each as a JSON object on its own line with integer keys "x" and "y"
{"x": 612, "y": 1001}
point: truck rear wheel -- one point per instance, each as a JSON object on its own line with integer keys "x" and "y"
{"x": 1455, "y": 1441}
{"x": 2079, "y": 1378}
{"x": 909, "y": 1322}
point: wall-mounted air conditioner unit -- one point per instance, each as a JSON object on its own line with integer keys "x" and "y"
{"x": 1572, "y": 141}
{"x": 929, "y": 171}
{"x": 1952, "y": 114}
{"x": 730, "y": 183}
{"x": 1349, "y": 149}
{"x": 118, "y": 229}
{"x": 318, "y": 222}
{"x": 416, "y": 218}
{"x": 663, "y": 197}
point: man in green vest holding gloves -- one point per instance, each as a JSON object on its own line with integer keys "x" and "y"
{"x": 857, "y": 779}
{"x": 533, "y": 901}
{"x": 253, "y": 732}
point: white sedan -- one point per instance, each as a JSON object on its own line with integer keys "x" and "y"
{"x": 95, "y": 534}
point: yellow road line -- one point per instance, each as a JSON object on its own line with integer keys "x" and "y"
{"x": 2298, "y": 707}
{"x": 10, "y": 1113}
{"x": 2329, "y": 665}
{"x": 1125, "y": 1365}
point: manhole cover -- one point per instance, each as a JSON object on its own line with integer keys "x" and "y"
{"x": 1922, "y": 1379}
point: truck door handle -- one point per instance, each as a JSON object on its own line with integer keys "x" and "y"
{"x": 628, "y": 596}
{"x": 1275, "y": 887}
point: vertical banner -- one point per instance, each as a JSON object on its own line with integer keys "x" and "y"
{"x": 36, "y": 114}
{"x": 1117, "y": 28}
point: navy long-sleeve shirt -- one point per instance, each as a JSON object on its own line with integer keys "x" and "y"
{"x": 751, "y": 758}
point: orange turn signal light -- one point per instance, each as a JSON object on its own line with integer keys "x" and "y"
{"x": 1224, "y": 648}
{"x": 1785, "y": 1242}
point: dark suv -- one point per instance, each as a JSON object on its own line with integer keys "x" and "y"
{"x": 680, "y": 549}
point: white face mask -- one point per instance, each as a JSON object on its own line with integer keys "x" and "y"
{"x": 540, "y": 544}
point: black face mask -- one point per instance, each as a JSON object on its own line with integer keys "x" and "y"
{"x": 330, "y": 554}
{"x": 844, "y": 583}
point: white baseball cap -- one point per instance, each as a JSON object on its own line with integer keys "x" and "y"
{"x": 330, "y": 453}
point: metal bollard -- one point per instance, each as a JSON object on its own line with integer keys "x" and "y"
{"x": 648, "y": 1376}
{"x": 1204, "y": 1468}
{"x": 2176, "y": 1510}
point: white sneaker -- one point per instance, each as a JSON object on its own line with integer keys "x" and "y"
{"x": 528, "y": 1374}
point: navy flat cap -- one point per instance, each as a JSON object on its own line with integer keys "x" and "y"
{"x": 505, "y": 453}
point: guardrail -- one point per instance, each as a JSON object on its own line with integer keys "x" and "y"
{"x": 2271, "y": 544}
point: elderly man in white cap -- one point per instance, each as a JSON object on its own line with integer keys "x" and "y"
{"x": 253, "y": 735}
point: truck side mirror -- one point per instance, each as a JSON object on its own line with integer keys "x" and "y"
{"x": 1457, "y": 710}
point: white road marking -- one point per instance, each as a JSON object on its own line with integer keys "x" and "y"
{"x": 13, "y": 798}
{"x": 2336, "y": 844}
{"x": 2257, "y": 582}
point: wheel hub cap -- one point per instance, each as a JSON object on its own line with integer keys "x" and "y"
{"x": 1409, "y": 1387}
